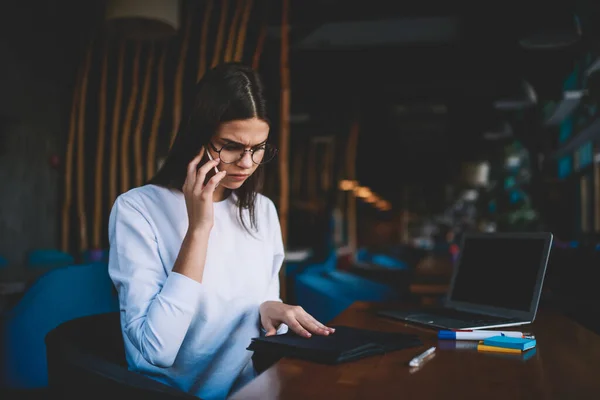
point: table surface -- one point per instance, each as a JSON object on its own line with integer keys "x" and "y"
{"x": 565, "y": 365}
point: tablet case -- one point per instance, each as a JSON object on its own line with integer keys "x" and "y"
{"x": 346, "y": 344}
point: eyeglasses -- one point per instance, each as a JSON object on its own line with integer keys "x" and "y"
{"x": 233, "y": 152}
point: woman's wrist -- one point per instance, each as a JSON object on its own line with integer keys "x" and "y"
{"x": 198, "y": 232}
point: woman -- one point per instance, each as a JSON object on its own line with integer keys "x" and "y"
{"x": 195, "y": 254}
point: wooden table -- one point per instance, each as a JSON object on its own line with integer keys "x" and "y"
{"x": 566, "y": 365}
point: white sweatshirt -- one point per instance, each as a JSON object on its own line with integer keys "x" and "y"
{"x": 178, "y": 331}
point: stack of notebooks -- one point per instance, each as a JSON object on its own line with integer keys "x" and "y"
{"x": 505, "y": 344}
{"x": 346, "y": 344}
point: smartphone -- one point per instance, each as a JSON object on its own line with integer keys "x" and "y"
{"x": 216, "y": 170}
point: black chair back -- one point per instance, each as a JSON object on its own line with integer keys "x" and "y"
{"x": 86, "y": 360}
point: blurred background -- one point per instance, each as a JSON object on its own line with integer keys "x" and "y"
{"x": 400, "y": 125}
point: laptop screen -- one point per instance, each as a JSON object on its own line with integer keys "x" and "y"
{"x": 498, "y": 271}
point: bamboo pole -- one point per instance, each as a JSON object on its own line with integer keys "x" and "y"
{"x": 126, "y": 131}
{"x": 220, "y": 33}
{"x": 311, "y": 173}
{"x": 351, "y": 174}
{"x": 237, "y": 14}
{"x": 69, "y": 162}
{"x": 204, "y": 39}
{"x": 97, "y": 228}
{"x": 327, "y": 176}
{"x": 262, "y": 35}
{"x": 114, "y": 140}
{"x": 156, "y": 117}
{"x": 83, "y": 233}
{"x": 178, "y": 99}
{"x": 137, "y": 137}
{"x": 297, "y": 157}
{"x": 241, "y": 39}
{"x": 284, "y": 137}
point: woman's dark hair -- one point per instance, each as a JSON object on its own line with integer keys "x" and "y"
{"x": 228, "y": 92}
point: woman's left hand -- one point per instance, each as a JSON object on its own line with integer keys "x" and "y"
{"x": 274, "y": 313}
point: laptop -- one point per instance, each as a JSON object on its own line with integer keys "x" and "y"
{"x": 497, "y": 282}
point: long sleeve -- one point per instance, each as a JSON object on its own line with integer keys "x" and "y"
{"x": 278, "y": 257}
{"x": 278, "y": 253}
{"x": 157, "y": 305}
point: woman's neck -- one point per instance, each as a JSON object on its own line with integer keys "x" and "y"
{"x": 220, "y": 194}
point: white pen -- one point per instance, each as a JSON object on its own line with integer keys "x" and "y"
{"x": 415, "y": 362}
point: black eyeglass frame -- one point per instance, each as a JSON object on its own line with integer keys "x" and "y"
{"x": 243, "y": 153}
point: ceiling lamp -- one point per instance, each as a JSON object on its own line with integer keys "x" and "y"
{"x": 383, "y": 205}
{"x": 553, "y": 33}
{"x": 143, "y": 19}
{"x": 347, "y": 185}
{"x": 362, "y": 192}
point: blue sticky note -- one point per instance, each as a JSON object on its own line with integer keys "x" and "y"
{"x": 510, "y": 342}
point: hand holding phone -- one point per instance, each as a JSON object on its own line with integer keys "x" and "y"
{"x": 198, "y": 190}
{"x": 211, "y": 159}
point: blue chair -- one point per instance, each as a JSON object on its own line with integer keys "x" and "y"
{"x": 58, "y": 296}
{"x": 325, "y": 295}
{"x": 380, "y": 259}
{"x": 49, "y": 258}
{"x": 3, "y": 262}
{"x": 293, "y": 269}
{"x": 324, "y": 292}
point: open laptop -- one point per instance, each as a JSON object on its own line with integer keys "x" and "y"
{"x": 497, "y": 282}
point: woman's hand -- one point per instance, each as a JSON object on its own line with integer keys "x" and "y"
{"x": 274, "y": 313}
{"x": 199, "y": 197}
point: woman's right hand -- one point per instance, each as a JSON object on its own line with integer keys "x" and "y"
{"x": 199, "y": 197}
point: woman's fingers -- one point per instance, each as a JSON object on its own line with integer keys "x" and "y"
{"x": 190, "y": 179}
{"x": 212, "y": 183}
{"x": 201, "y": 174}
{"x": 312, "y": 325}
{"x": 304, "y": 324}
{"x": 294, "y": 325}
{"x": 320, "y": 325}
{"x": 269, "y": 328}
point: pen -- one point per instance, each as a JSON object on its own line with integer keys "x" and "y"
{"x": 481, "y": 334}
{"x": 415, "y": 362}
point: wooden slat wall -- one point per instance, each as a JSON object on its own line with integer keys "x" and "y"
{"x": 134, "y": 84}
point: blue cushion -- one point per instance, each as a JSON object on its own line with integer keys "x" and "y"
{"x": 380, "y": 259}
{"x": 3, "y": 262}
{"x": 363, "y": 255}
{"x": 49, "y": 258}
{"x": 388, "y": 261}
{"x": 57, "y": 296}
